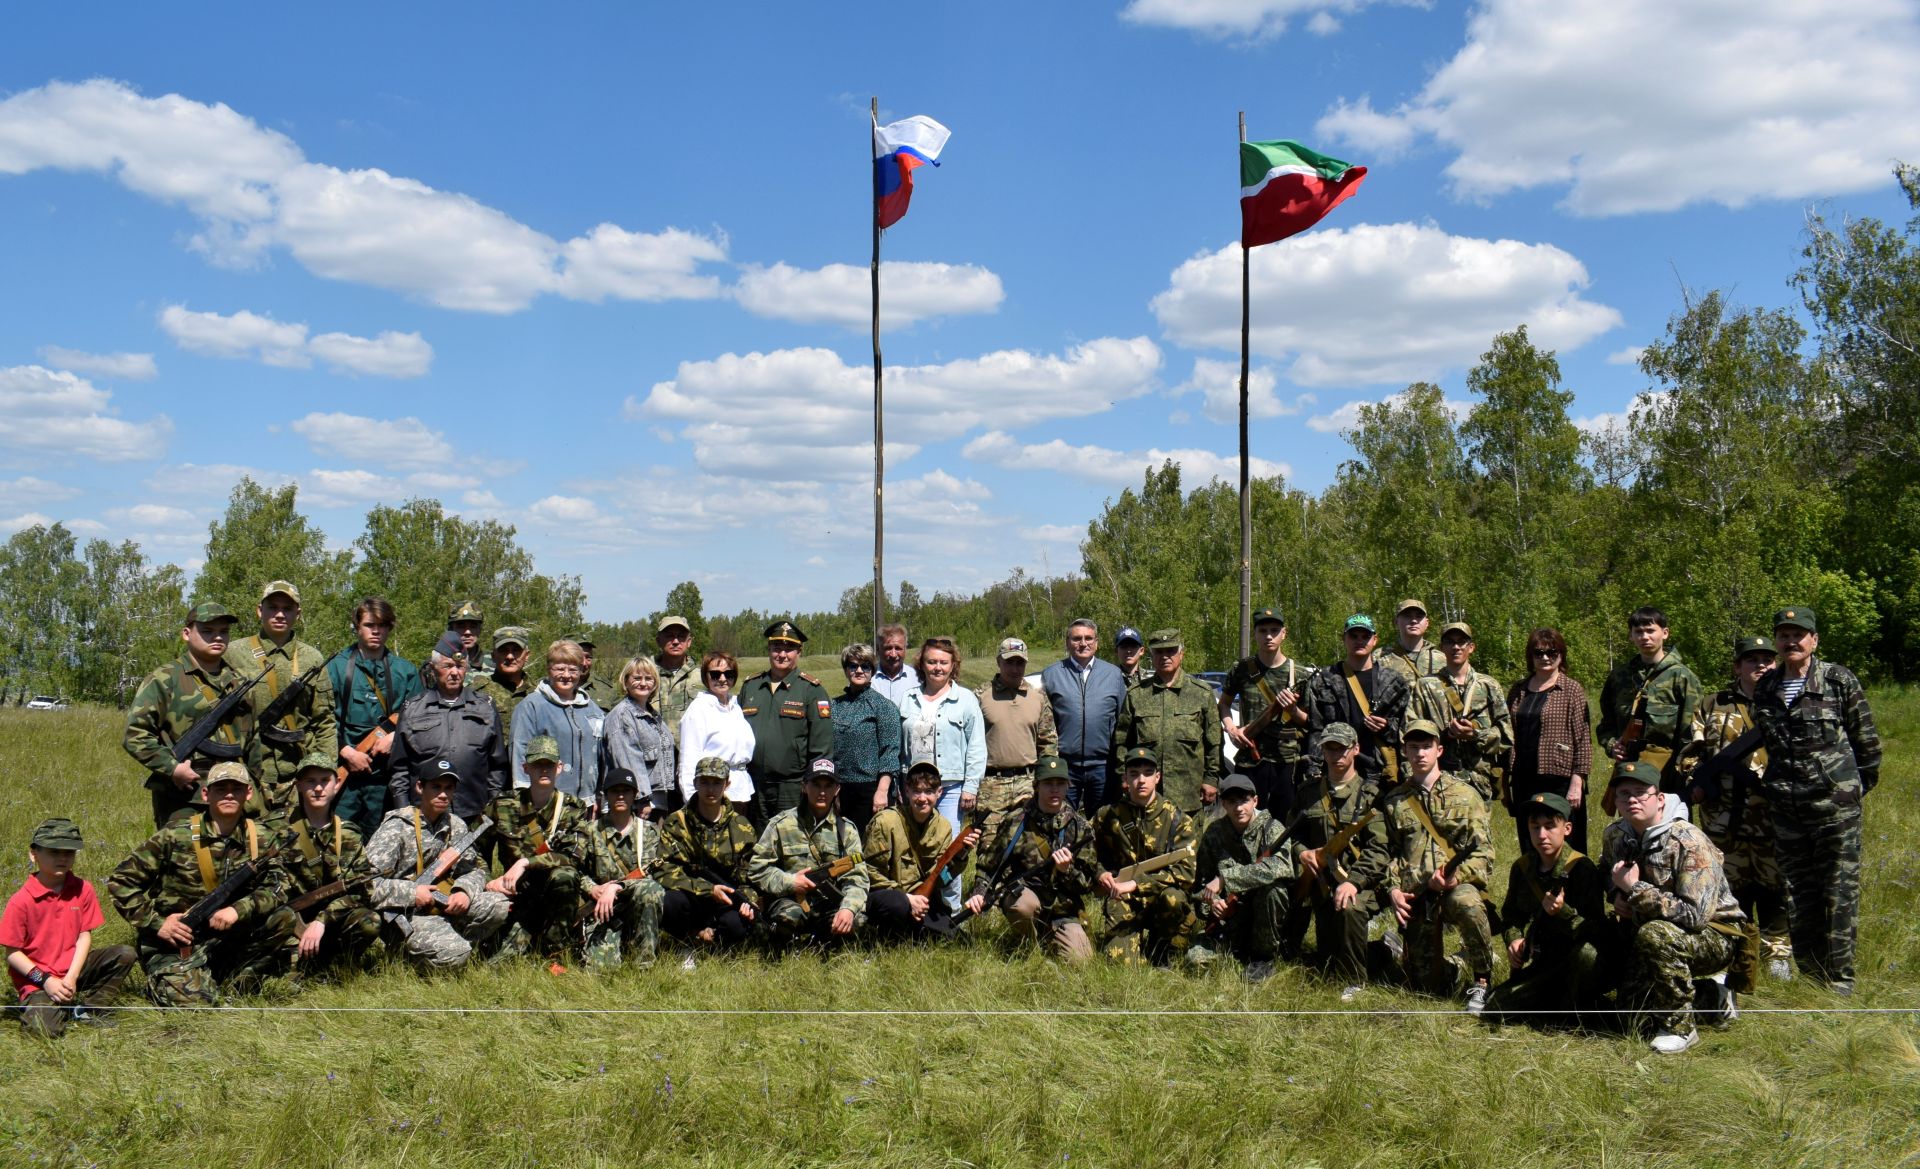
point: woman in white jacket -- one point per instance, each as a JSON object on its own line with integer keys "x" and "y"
{"x": 714, "y": 725}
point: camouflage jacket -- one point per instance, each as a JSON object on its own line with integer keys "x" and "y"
{"x": 610, "y": 855}
{"x": 165, "y": 708}
{"x": 1482, "y": 702}
{"x": 1330, "y": 700}
{"x": 1673, "y": 696}
{"x": 1024, "y": 843}
{"x": 1681, "y": 877}
{"x": 1459, "y": 814}
{"x": 1244, "y": 861}
{"x": 1412, "y": 665}
{"x": 1824, "y": 746}
{"x": 546, "y": 838}
{"x": 1719, "y": 721}
{"x": 406, "y": 846}
{"x": 494, "y": 689}
{"x": 308, "y": 724}
{"x": 1126, "y": 834}
{"x": 1581, "y": 918}
{"x": 692, "y": 850}
{"x": 677, "y": 689}
{"x": 899, "y": 852}
{"x": 1324, "y": 812}
{"x": 1282, "y": 739}
{"x": 312, "y": 859}
{"x": 1181, "y": 723}
{"x": 796, "y": 841}
{"x": 163, "y": 877}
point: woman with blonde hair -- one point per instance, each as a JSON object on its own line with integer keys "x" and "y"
{"x": 638, "y": 740}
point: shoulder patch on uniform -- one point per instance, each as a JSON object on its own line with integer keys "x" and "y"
{"x": 825, "y": 707}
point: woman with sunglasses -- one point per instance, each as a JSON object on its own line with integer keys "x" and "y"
{"x": 866, "y": 739}
{"x": 715, "y": 725}
{"x": 1552, "y": 737}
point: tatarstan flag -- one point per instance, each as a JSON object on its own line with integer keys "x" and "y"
{"x": 1286, "y": 188}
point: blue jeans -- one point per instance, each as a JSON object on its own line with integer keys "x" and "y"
{"x": 949, "y": 807}
{"x": 1089, "y": 790}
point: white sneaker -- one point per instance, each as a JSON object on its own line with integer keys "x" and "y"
{"x": 1351, "y": 993}
{"x": 1674, "y": 1042}
{"x": 1477, "y": 999}
{"x": 689, "y": 962}
{"x": 1780, "y": 970}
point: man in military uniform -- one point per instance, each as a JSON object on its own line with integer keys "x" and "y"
{"x": 1554, "y": 919}
{"x": 1648, "y": 705}
{"x": 791, "y": 868}
{"x": 1040, "y": 867}
{"x": 369, "y": 684}
{"x": 1370, "y": 699}
{"x": 791, "y": 715}
{"x": 1823, "y": 757}
{"x": 624, "y": 897}
{"x": 464, "y": 621}
{"x": 449, "y": 723}
{"x": 1129, "y": 648}
{"x": 508, "y": 682}
{"x": 1680, "y": 920}
{"x": 1340, "y": 850}
{"x": 1149, "y": 917}
{"x": 538, "y": 833}
{"x": 1019, "y": 731}
{"x": 903, "y": 845}
{"x": 1271, "y": 690}
{"x": 601, "y": 694}
{"x": 435, "y": 923}
{"x": 1173, "y": 714}
{"x": 246, "y": 940}
{"x": 318, "y": 849}
{"x": 704, "y": 851}
{"x": 1470, "y": 708}
{"x": 1242, "y": 880}
{"x": 1410, "y": 655}
{"x": 302, "y": 721}
{"x": 1733, "y": 809}
{"x": 1442, "y": 850}
{"x": 173, "y": 698}
{"x": 679, "y": 673}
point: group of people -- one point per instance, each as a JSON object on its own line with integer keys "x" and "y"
{"x": 308, "y": 808}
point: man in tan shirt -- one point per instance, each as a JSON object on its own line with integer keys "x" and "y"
{"x": 1019, "y": 731}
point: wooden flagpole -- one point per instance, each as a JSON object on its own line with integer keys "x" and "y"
{"x": 879, "y": 451}
{"x": 1246, "y": 499}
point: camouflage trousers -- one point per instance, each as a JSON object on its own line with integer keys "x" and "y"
{"x": 232, "y": 961}
{"x": 94, "y": 986}
{"x": 1254, "y": 931}
{"x": 547, "y": 914}
{"x": 789, "y": 923}
{"x": 1148, "y": 928}
{"x": 1662, "y": 962}
{"x": 634, "y": 927}
{"x": 1753, "y": 869}
{"x": 1001, "y": 798}
{"x": 344, "y": 943}
{"x": 1818, "y": 845}
{"x": 1565, "y": 978}
{"x": 445, "y": 943}
{"x": 1425, "y": 934}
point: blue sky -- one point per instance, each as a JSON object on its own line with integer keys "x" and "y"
{"x": 575, "y": 269}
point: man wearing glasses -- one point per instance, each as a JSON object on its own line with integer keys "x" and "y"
{"x": 1371, "y": 700}
{"x": 792, "y": 719}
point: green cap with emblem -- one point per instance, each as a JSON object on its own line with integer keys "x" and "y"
{"x": 1164, "y": 639}
{"x": 203, "y": 612}
{"x": 1420, "y": 726}
{"x": 464, "y": 611}
{"x": 1268, "y": 617}
{"x": 543, "y": 749}
{"x": 1140, "y": 755}
{"x": 58, "y": 832}
{"x": 712, "y": 767}
{"x": 286, "y": 587}
{"x": 1359, "y": 621}
{"x": 1742, "y": 646}
{"x": 1550, "y": 802}
{"x": 1051, "y": 767}
{"x": 786, "y": 631}
{"x": 1636, "y": 771}
{"x": 511, "y": 635}
{"x": 1796, "y": 617}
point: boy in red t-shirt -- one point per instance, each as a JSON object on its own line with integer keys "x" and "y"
{"x": 47, "y": 929}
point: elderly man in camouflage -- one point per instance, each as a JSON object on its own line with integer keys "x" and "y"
{"x": 1242, "y": 881}
{"x": 1470, "y": 708}
{"x": 1174, "y": 715}
{"x": 1410, "y": 655}
{"x": 624, "y": 898}
{"x": 1442, "y": 850}
{"x": 301, "y": 722}
{"x": 679, "y": 674}
{"x": 1149, "y": 917}
{"x": 507, "y": 683}
{"x": 173, "y": 698}
{"x": 1823, "y": 756}
{"x": 246, "y": 940}
{"x": 1019, "y": 731}
{"x": 436, "y": 924}
{"x": 789, "y": 863}
{"x": 1671, "y": 896}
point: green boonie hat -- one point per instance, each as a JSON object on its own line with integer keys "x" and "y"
{"x": 1140, "y": 755}
{"x": 1051, "y": 767}
{"x": 1420, "y": 726}
{"x": 1341, "y": 733}
{"x": 1268, "y": 617}
{"x": 1410, "y": 603}
{"x": 204, "y": 611}
{"x": 464, "y": 611}
{"x": 1549, "y": 802}
{"x": 1360, "y": 621}
{"x": 1164, "y": 639}
{"x": 280, "y": 586}
{"x": 228, "y": 772}
{"x": 1636, "y": 771}
{"x": 672, "y": 621}
{"x": 1460, "y": 627}
{"x": 543, "y": 749}
{"x": 786, "y": 631}
{"x": 1799, "y": 617}
{"x": 511, "y": 635}
{"x": 712, "y": 767}
{"x": 58, "y": 832}
{"x": 317, "y": 759}
{"x": 1742, "y": 646}
{"x": 1238, "y": 782}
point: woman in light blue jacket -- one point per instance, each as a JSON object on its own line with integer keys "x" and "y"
{"x": 943, "y": 720}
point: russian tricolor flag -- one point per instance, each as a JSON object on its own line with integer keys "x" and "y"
{"x": 898, "y": 148}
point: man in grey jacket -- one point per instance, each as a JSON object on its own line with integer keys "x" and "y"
{"x": 1085, "y": 693}
{"x": 450, "y": 728}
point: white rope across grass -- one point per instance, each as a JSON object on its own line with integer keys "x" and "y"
{"x": 965, "y": 1012}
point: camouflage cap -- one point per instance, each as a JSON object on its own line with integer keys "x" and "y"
{"x": 1012, "y": 647}
{"x": 1420, "y": 726}
{"x": 614, "y": 777}
{"x": 1549, "y": 802}
{"x": 1237, "y": 781}
{"x": 202, "y": 612}
{"x": 1797, "y": 617}
{"x": 230, "y": 771}
{"x": 448, "y": 647}
{"x": 320, "y": 759}
{"x": 1268, "y": 617}
{"x": 1341, "y": 733}
{"x": 786, "y": 631}
{"x": 673, "y": 621}
{"x": 58, "y": 832}
{"x": 1460, "y": 627}
{"x": 1636, "y": 771}
{"x": 464, "y": 611}
{"x": 1359, "y": 621}
{"x": 1410, "y": 603}
{"x": 1140, "y": 755}
{"x": 1128, "y": 633}
{"x": 1165, "y": 639}
{"x": 543, "y": 749}
{"x": 511, "y": 635}
{"x": 1051, "y": 767}
{"x": 1742, "y": 646}
{"x": 287, "y": 587}
{"x": 712, "y": 767}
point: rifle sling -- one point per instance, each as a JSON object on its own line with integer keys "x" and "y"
{"x": 203, "y": 856}
{"x": 1426, "y": 821}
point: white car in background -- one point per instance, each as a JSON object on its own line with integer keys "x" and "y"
{"x": 46, "y": 702}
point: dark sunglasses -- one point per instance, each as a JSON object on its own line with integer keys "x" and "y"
{"x": 1546, "y": 653}
{"x": 857, "y": 667}
{"x": 723, "y": 673}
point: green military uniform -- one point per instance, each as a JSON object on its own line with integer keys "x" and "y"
{"x": 1563, "y": 968}
{"x": 694, "y": 850}
{"x": 792, "y": 721}
{"x": 898, "y": 853}
{"x": 1283, "y": 739}
{"x": 316, "y": 857}
{"x": 172, "y": 870}
{"x": 1421, "y": 661}
{"x": 1255, "y": 868}
{"x": 1457, "y": 813}
{"x": 1481, "y": 757}
{"x": 1664, "y": 696}
{"x": 1326, "y": 809}
{"x": 1739, "y": 821}
{"x": 678, "y": 688}
{"x": 307, "y": 725}
{"x": 498, "y": 689}
{"x": 1156, "y": 921}
{"x": 794, "y": 842}
{"x": 165, "y": 707}
{"x": 1179, "y": 721}
{"x": 614, "y": 855}
{"x": 550, "y": 892}
{"x": 1024, "y": 845}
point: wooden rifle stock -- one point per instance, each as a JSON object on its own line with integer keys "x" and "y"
{"x": 385, "y": 726}
{"x": 1331, "y": 852}
{"x": 826, "y": 874}
{"x": 954, "y": 852}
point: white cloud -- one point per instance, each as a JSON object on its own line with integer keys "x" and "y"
{"x": 356, "y": 487}
{"x": 1103, "y": 465}
{"x": 1382, "y": 303}
{"x": 841, "y": 294}
{"x": 23, "y": 521}
{"x": 1257, "y": 19}
{"x": 86, "y": 527}
{"x": 209, "y": 480}
{"x": 29, "y": 490}
{"x": 130, "y": 367}
{"x": 250, "y": 335}
{"x": 1649, "y": 105}
{"x": 1347, "y": 416}
{"x": 66, "y": 415}
{"x": 253, "y": 190}
{"x": 391, "y": 354}
{"x": 1628, "y": 356}
{"x": 155, "y": 515}
{"x": 826, "y": 406}
{"x": 1359, "y": 125}
{"x": 400, "y": 442}
{"x": 1218, "y": 383}
{"x": 566, "y": 509}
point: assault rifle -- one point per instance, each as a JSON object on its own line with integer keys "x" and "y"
{"x": 195, "y": 740}
{"x": 1331, "y": 852}
{"x": 826, "y": 877}
{"x": 321, "y": 894}
{"x": 402, "y": 919}
{"x": 238, "y": 880}
{"x": 276, "y": 710}
{"x": 385, "y": 726}
{"x": 954, "y": 852}
{"x": 1153, "y": 864}
{"x": 999, "y": 887}
{"x": 1706, "y": 769}
{"x": 1229, "y": 905}
{"x": 1427, "y": 902}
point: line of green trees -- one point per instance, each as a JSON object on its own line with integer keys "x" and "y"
{"x": 1767, "y": 463}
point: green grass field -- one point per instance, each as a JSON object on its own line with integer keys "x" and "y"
{"x": 393, "y": 1069}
